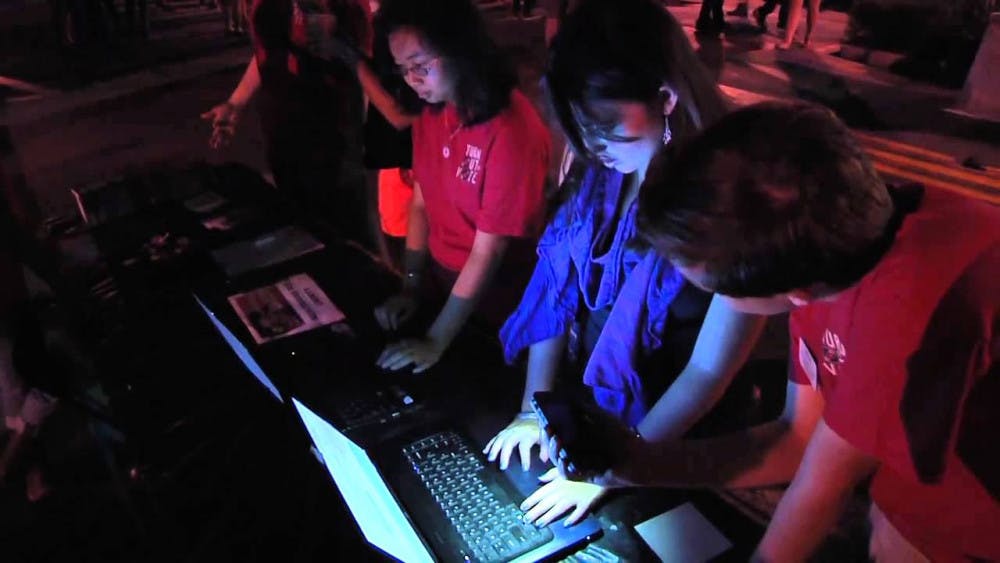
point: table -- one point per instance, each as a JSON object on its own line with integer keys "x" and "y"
{"x": 172, "y": 342}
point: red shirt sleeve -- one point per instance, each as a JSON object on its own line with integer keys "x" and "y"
{"x": 513, "y": 196}
{"x": 911, "y": 361}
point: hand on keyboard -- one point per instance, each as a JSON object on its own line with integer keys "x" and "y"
{"x": 557, "y": 497}
{"x": 523, "y": 432}
{"x": 421, "y": 353}
{"x": 486, "y": 518}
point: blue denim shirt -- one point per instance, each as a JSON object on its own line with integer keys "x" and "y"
{"x": 636, "y": 284}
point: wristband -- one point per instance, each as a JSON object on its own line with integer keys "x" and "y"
{"x": 527, "y": 415}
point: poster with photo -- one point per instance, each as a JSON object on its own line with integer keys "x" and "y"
{"x": 291, "y": 306}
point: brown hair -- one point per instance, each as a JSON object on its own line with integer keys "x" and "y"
{"x": 772, "y": 198}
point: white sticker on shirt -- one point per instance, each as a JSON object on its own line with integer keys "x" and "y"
{"x": 834, "y": 352}
{"x": 808, "y": 363}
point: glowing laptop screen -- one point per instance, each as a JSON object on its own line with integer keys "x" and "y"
{"x": 241, "y": 352}
{"x": 376, "y": 511}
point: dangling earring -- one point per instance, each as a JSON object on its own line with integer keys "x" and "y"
{"x": 667, "y": 135}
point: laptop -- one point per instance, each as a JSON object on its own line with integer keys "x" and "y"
{"x": 241, "y": 352}
{"x": 374, "y": 405}
{"x": 428, "y": 494}
{"x": 360, "y": 403}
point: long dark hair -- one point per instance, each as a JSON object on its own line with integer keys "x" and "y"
{"x": 455, "y": 31}
{"x": 626, "y": 50}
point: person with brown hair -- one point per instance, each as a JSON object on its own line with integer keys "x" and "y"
{"x": 894, "y": 295}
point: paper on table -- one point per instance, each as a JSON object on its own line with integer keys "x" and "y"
{"x": 291, "y": 306}
{"x": 683, "y": 535}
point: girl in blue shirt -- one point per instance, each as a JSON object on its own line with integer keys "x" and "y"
{"x": 623, "y": 82}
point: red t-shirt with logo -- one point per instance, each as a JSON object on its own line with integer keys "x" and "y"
{"x": 907, "y": 364}
{"x": 488, "y": 177}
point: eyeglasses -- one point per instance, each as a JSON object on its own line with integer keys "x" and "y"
{"x": 597, "y": 132}
{"x": 420, "y": 70}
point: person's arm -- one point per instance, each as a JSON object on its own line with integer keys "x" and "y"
{"x": 543, "y": 365}
{"x": 825, "y": 480}
{"x": 724, "y": 342}
{"x": 224, "y": 117}
{"x": 248, "y": 86}
{"x": 399, "y": 308}
{"x": 524, "y": 431}
{"x": 417, "y": 232}
{"x": 766, "y": 454}
{"x": 422, "y": 353}
{"x": 383, "y": 101}
{"x": 482, "y": 263}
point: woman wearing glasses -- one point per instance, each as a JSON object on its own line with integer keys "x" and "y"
{"x": 650, "y": 348}
{"x": 480, "y": 157}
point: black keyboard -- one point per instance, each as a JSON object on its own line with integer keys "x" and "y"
{"x": 376, "y": 408}
{"x": 485, "y": 516}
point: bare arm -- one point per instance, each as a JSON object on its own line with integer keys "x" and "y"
{"x": 383, "y": 101}
{"x": 811, "y": 505}
{"x": 398, "y": 309}
{"x": 248, "y": 86}
{"x": 766, "y": 454}
{"x": 524, "y": 432}
{"x": 417, "y": 232}
{"x": 724, "y": 342}
{"x": 485, "y": 257}
{"x": 225, "y": 117}
{"x": 543, "y": 364}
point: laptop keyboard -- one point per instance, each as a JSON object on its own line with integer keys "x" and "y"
{"x": 379, "y": 407}
{"x": 489, "y": 522}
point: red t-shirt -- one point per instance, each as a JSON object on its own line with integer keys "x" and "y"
{"x": 488, "y": 177}
{"x": 907, "y": 364}
{"x": 394, "y": 197}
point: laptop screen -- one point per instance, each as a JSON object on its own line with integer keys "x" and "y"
{"x": 376, "y": 511}
{"x": 241, "y": 352}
